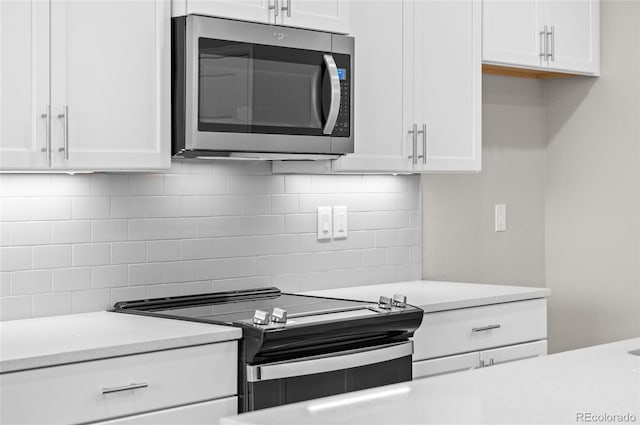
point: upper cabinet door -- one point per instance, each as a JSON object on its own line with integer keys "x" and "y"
{"x": 24, "y": 85}
{"x": 110, "y": 76}
{"x": 574, "y": 35}
{"x": 323, "y": 15}
{"x": 511, "y": 32}
{"x": 245, "y": 10}
{"x": 379, "y": 128}
{"x": 447, "y": 85}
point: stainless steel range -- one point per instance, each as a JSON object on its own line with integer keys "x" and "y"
{"x": 298, "y": 347}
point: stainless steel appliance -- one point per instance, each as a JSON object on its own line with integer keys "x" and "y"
{"x": 297, "y": 347}
{"x": 248, "y": 90}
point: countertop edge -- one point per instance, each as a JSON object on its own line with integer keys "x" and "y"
{"x": 105, "y": 352}
{"x": 483, "y": 301}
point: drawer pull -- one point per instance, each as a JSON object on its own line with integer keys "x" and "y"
{"x": 485, "y": 328}
{"x": 124, "y": 388}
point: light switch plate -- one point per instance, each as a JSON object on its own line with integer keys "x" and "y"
{"x": 501, "y": 217}
{"x": 340, "y": 228}
{"x": 325, "y": 223}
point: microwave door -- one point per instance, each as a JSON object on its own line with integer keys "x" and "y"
{"x": 330, "y": 94}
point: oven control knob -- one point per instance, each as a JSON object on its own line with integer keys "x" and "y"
{"x": 385, "y": 303}
{"x": 261, "y": 317}
{"x": 399, "y": 301}
{"x": 279, "y": 315}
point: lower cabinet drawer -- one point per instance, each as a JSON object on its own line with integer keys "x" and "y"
{"x": 208, "y": 412}
{"x": 449, "y": 364}
{"x": 119, "y": 386}
{"x": 477, "y": 328}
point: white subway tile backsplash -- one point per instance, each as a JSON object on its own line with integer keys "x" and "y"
{"x": 164, "y": 250}
{"x": 77, "y": 231}
{"x": 88, "y": 208}
{"x": 52, "y": 304}
{"x": 81, "y": 243}
{"x": 300, "y": 223}
{"x": 52, "y": 208}
{"x": 128, "y": 252}
{"x": 30, "y": 282}
{"x": 51, "y": 256}
{"x": 15, "y": 258}
{"x": 13, "y": 308}
{"x": 91, "y": 300}
{"x": 30, "y": 233}
{"x": 72, "y": 279}
{"x": 109, "y": 230}
{"x": 109, "y": 276}
{"x": 16, "y": 209}
{"x": 284, "y": 204}
{"x": 91, "y": 254}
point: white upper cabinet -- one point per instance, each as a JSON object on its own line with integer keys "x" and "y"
{"x": 549, "y": 35}
{"x": 379, "y": 123}
{"x": 510, "y": 33}
{"x": 322, "y": 15}
{"x": 110, "y": 91}
{"x": 414, "y": 114}
{"x": 85, "y": 85}
{"x": 24, "y": 84}
{"x": 574, "y": 35}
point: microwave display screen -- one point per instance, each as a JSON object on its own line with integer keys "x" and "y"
{"x": 342, "y": 74}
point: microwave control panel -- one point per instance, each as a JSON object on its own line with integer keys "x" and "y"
{"x": 342, "y": 128}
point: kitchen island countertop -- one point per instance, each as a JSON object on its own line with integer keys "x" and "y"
{"x": 595, "y": 384}
{"x": 51, "y": 341}
{"x": 432, "y": 296}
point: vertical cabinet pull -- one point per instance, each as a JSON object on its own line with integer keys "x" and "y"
{"x": 414, "y": 132}
{"x": 287, "y": 8}
{"x": 47, "y": 118}
{"x": 543, "y": 43}
{"x": 65, "y": 117}
{"x": 274, "y": 8}
{"x": 424, "y": 143}
{"x": 552, "y": 42}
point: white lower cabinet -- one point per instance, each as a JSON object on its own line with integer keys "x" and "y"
{"x": 126, "y": 388}
{"x": 462, "y": 339}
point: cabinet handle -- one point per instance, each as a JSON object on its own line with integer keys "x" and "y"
{"x": 47, "y": 117}
{"x": 552, "y": 42}
{"x": 414, "y": 132}
{"x": 424, "y": 143}
{"x": 274, "y": 8}
{"x": 543, "y": 43}
{"x": 485, "y": 328}
{"x": 287, "y": 8}
{"x": 65, "y": 116}
{"x": 481, "y": 363}
{"x": 546, "y": 43}
{"x": 491, "y": 361}
{"x": 124, "y": 388}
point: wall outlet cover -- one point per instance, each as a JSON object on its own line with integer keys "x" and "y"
{"x": 340, "y": 228}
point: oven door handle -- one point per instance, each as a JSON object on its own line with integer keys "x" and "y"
{"x": 329, "y": 362}
{"x": 334, "y": 103}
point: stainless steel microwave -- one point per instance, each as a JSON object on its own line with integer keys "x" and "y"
{"x": 248, "y": 90}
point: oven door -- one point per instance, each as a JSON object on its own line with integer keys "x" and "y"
{"x": 258, "y": 88}
{"x": 279, "y": 383}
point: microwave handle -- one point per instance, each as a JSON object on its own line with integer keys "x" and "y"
{"x": 334, "y": 107}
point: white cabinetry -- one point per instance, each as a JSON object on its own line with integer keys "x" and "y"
{"x": 108, "y": 103}
{"x": 455, "y": 340}
{"x": 557, "y": 36}
{"x": 323, "y": 15}
{"x": 412, "y": 113}
{"x": 181, "y": 385}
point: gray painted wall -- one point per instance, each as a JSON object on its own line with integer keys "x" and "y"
{"x": 592, "y": 202}
{"x": 564, "y": 155}
{"x": 459, "y": 241}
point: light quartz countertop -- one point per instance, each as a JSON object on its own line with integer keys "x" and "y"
{"x": 434, "y": 296}
{"x": 51, "y": 341}
{"x": 556, "y": 389}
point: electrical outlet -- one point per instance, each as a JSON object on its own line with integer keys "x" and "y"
{"x": 325, "y": 228}
{"x": 340, "y": 222}
{"x": 501, "y": 217}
